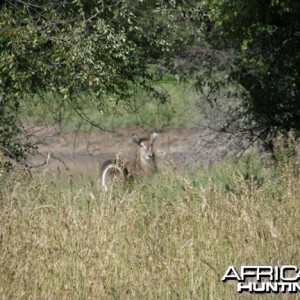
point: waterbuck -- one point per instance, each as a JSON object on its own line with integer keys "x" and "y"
{"x": 144, "y": 163}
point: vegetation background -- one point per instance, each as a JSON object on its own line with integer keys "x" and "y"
{"x": 220, "y": 76}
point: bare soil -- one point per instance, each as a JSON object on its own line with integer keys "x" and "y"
{"x": 83, "y": 152}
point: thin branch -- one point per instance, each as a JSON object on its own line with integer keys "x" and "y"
{"x": 28, "y": 4}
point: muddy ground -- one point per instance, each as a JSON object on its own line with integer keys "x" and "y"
{"x": 83, "y": 152}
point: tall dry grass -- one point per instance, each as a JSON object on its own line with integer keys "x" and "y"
{"x": 165, "y": 239}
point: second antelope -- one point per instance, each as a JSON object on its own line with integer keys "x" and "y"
{"x": 144, "y": 163}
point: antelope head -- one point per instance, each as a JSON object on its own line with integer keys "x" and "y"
{"x": 145, "y": 158}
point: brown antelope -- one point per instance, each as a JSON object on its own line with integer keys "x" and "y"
{"x": 144, "y": 163}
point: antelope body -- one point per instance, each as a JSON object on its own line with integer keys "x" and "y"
{"x": 144, "y": 163}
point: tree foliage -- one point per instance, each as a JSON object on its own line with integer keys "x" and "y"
{"x": 107, "y": 48}
{"x": 113, "y": 49}
{"x": 254, "y": 47}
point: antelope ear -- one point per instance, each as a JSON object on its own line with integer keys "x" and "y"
{"x": 154, "y": 136}
{"x": 136, "y": 139}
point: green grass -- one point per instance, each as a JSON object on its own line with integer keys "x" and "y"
{"x": 141, "y": 110}
{"x": 172, "y": 236}
{"x": 249, "y": 168}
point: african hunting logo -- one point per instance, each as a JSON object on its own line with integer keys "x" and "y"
{"x": 265, "y": 279}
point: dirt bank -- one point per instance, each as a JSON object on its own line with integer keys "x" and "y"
{"x": 83, "y": 152}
